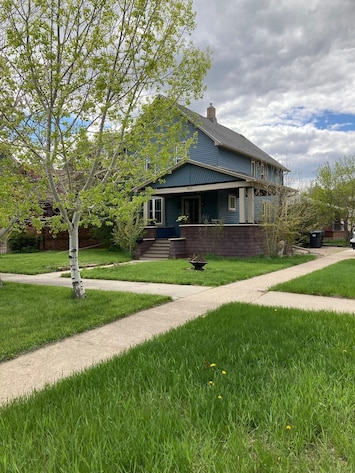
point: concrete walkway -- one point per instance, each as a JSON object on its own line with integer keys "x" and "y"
{"x": 32, "y": 371}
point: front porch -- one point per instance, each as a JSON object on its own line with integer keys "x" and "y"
{"x": 242, "y": 240}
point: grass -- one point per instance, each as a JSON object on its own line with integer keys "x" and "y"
{"x": 49, "y": 261}
{"x": 31, "y": 316}
{"x": 336, "y": 280}
{"x": 244, "y": 389}
{"x": 340, "y": 242}
{"x": 219, "y": 271}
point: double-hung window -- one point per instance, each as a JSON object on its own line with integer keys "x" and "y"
{"x": 232, "y": 202}
{"x": 155, "y": 210}
{"x": 180, "y": 153}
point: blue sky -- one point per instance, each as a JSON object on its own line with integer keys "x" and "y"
{"x": 283, "y": 75}
{"x": 328, "y": 120}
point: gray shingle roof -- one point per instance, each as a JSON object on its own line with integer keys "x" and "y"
{"x": 230, "y": 139}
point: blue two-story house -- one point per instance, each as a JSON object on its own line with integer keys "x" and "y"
{"x": 214, "y": 198}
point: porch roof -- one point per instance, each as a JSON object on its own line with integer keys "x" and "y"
{"x": 216, "y": 176}
{"x": 223, "y": 179}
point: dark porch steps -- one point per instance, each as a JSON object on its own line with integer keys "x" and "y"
{"x": 158, "y": 250}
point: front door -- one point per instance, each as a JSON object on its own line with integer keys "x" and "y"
{"x": 191, "y": 207}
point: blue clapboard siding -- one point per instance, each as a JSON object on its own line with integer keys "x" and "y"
{"x": 172, "y": 211}
{"x": 189, "y": 175}
{"x": 225, "y": 215}
{"x": 209, "y": 208}
{"x": 207, "y": 152}
{"x": 204, "y": 151}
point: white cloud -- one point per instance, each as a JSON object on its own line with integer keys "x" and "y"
{"x": 277, "y": 65}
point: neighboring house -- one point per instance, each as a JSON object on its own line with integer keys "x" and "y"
{"x": 222, "y": 188}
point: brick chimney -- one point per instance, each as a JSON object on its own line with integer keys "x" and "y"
{"x": 211, "y": 114}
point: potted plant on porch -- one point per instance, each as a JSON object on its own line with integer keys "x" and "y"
{"x": 182, "y": 219}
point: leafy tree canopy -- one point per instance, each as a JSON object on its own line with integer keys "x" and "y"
{"x": 21, "y": 196}
{"x": 334, "y": 190}
{"x": 78, "y": 97}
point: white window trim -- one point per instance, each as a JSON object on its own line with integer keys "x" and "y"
{"x": 148, "y": 218}
{"x": 180, "y": 152}
{"x": 253, "y": 169}
{"x": 232, "y": 202}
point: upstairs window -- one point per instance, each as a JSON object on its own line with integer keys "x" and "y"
{"x": 147, "y": 164}
{"x": 253, "y": 169}
{"x": 180, "y": 152}
{"x": 262, "y": 171}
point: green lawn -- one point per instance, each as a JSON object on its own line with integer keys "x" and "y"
{"x": 336, "y": 280}
{"x": 48, "y": 261}
{"x": 31, "y": 316}
{"x": 219, "y": 271}
{"x": 244, "y": 389}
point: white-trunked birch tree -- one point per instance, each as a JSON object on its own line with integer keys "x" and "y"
{"x": 79, "y": 81}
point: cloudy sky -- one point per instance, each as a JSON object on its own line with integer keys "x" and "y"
{"x": 283, "y": 75}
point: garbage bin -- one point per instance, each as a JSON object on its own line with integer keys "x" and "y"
{"x": 352, "y": 241}
{"x": 315, "y": 239}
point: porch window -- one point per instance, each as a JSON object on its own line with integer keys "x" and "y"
{"x": 155, "y": 210}
{"x": 232, "y": 202}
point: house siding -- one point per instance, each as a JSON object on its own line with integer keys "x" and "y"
{"x": 209, "y": 201}
{"x": 225, "y": 215}
{"x": 235, "y": 162}
{"x": 214, "y": 206}
{"x": 205, "y": 151}
{"x": 172, "y": 211}
{"x": 189, "y": 175}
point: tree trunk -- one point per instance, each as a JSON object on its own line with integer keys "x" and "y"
{"x": 7, "y": 230}
{"x": 77, "y": 283}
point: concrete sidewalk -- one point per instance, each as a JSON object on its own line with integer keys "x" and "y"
{"x": 47, "y": 365}
{"x": 175, "y": 291}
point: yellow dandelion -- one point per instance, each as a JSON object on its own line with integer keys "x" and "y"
{"x": 219, "y": 397}
{"x": 212, "y": 365}
{"x": 211, "y": 383}
{"x": 288, "y": 427}
{"x": 224, "y": 372}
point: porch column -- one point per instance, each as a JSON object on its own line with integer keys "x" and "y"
{"x": 242, "y": 205}
{"x": 251, "y": 209}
